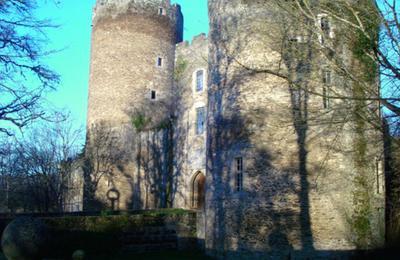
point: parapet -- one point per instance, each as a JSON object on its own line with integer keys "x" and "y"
{"x": 198, "y": 41}
{"x": 115, "y": 8}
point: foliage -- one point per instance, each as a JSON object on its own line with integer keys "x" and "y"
{"x": 140, "y": 122}
{"x": 165, "y": 124}
{"x": 362, "y": 199}
{"x": 180, "y": 67}
{"x": 102, "y": 234}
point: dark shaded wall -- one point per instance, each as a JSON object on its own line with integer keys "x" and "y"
{"x": 299, "y": 169}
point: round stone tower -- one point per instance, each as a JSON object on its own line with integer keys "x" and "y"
{"x": 132, "y": 59}
{"x": 130, "y": 99}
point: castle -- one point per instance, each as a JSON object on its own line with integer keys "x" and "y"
{"x": 203, "y": 126}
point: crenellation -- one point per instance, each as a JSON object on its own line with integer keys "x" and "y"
{"x": 152, "y": 8}
{"x": 198, "y": 41}
{"x": 205, "y": 128}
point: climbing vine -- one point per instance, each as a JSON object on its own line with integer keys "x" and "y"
{"x": 180, "y": 68}
{"x": 362, "y": 197}
{"x": 140, "y": 121}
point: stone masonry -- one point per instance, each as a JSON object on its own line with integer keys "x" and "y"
{"x": 271, "y": 170}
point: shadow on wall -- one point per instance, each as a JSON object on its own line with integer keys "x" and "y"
{"x": 131, "y": 166}
{"x": 272, "y": 215}
{"x": 154, "y": 154}
{"x": 102, "y": 156}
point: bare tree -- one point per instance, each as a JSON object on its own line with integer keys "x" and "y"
{"x": 37, "y": 166}
{"x": 102, "y": 155}
{"x": 368, "y": 31}
{"x": 23, "y": 76}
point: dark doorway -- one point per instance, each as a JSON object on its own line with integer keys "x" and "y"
{"x": 197, "y": 191}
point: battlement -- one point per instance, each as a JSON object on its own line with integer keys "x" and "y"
{"x": 150, "y": 8}
{"x": 197, "y": 42}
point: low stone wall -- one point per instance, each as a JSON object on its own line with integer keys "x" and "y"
{"x": 140, "y": 232}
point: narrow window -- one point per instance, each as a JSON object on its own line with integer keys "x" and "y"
{"x": 153, "y": 95}
{"x": 199, "y": 80}
{"x": 326, "y": 79}
{"x": 239, "y": 174}
{"x": 200, "y": 120}
{"x": 325, "y": 25}
{"x": 377, "y": 163}
{"x": 160, "y": 11}
{"x": 159, "y": 62}
{"x": 325, "y": 96}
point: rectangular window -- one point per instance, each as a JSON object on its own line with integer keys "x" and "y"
{"x": 327, "y": 80}
{"x": 325, "y": 96}
{"x": 325, "y": 25}
{"x": 153, "y": 95}
{"x": 200, "y": 120}
{"x": 326, "y": 28}
{"x": 199, "y": 80}
{"x": 159, "y": 62}
{"x": 326, "y": 77}
{"x": 239, "y": 174}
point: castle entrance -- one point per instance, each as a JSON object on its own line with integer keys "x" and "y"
{"x": 198, "y": 191}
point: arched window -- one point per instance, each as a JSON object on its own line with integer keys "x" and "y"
{"x": 197, "y": 197}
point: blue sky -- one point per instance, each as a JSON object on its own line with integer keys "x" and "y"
{"x": 72, "y": 38}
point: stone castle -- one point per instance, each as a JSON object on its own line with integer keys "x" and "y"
{"x": 270, "y": 169}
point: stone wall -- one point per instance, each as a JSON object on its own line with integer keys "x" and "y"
{"x": 189, "y": 148}
{"x": 189, "y": 145}
{"x": 130, "y": 101}
{"x": 137, "y": 232}
{"x": 298, "y": 158}
{"x": 284, "y": 172}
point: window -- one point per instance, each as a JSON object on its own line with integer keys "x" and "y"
{"x": 325, "y": 96}
{"x": 153, "y": 95}
{"x": 239, "y": 174}
{"x": 326, "y": 79}
{"x": 161, "y": 11}
{"x": 325, "y": 25}
{"x": 159, "y": 62}
{"x": 200, "y": 120}
{"x": 199, "y": 80}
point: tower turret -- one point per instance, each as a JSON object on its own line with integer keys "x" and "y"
{"x": 132, "y": 57}
{"x": 130, "y": 89}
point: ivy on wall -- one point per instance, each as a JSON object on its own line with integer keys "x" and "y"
{"x": 180, "y": 67}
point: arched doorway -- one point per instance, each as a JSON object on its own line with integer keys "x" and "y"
{"x": 197, "y": 191}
